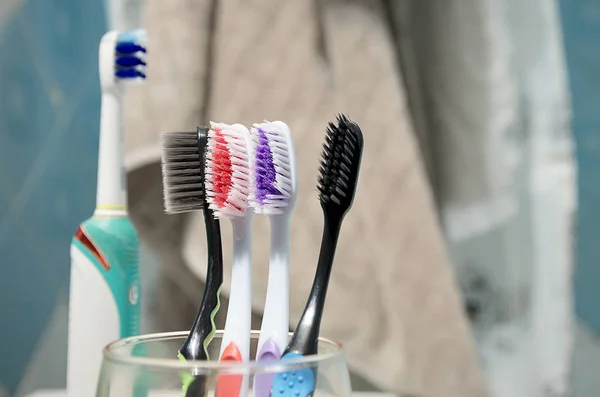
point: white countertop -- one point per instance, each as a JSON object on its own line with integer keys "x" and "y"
{"x": 62, "y": 393}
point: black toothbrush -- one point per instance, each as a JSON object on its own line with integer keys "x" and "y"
{"x": 183, "y": 162}
{"x": 338, "y": 176}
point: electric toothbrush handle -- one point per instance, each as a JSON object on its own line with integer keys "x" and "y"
{"x": 104, "y": 297}
{"x": 88, "y": 294}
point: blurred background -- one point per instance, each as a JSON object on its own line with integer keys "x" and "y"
{"x": 502, "y": 98}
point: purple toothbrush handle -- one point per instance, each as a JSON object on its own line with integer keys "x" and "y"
{"x": 263, "y": 382}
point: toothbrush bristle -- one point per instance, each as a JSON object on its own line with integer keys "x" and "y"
{"x": 130, "y": 55}
{"x": 219, "y": 164}
{"x": 228, "y": 169}
{"x": 340, "y": 162}
{"x": 266, "y": 176}
{"x": 183, "y": 185}
{"x": 272, "y": 168}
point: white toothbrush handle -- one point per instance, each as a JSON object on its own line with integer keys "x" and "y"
{"x": 274, "y": 329}
{"x": 93, "y": 323}
{"x": 236, "y": 335}
{"x": 239, "y": 312}
{"x": 275, "y": 322}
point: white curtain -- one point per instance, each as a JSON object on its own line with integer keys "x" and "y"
{"x": 488, "y": 88}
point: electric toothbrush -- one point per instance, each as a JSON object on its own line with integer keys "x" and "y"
{"x": 104, "y": 285}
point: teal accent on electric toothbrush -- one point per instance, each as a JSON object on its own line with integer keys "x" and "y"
{"x": 121, "y": 252}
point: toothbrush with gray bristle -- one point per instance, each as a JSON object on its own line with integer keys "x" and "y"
{"x": 183, "y": 169}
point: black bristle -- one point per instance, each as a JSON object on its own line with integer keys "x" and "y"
{"x": 340, "y": 162}
{"x": 183, "y": 185}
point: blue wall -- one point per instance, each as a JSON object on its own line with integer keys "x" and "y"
{"x": 581, "y": 26}
{"x": 49, "y": 115}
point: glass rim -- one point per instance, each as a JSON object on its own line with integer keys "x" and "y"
{"x": 111, "y": 354}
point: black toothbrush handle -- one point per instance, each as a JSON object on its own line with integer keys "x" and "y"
{"x": 203, "y": 329}
{"x": 198, "y": 387}
{"x": 306, "y": 337}
{"x": 196, "y": 345}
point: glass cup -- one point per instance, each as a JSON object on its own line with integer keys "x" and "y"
{"x": 147, "y": 366}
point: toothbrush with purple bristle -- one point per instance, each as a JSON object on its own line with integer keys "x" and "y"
{"x": 273, "y": 193}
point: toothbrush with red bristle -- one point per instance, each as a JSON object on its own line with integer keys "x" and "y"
{"x": 228, "y": 184}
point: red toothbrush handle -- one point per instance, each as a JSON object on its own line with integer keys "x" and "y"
{"x": 229, "y": 385}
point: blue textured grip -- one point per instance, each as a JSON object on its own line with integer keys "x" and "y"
{"x": 296, "y": 383}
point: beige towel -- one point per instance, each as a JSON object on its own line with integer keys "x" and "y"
{"x": 392, "y": 300}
